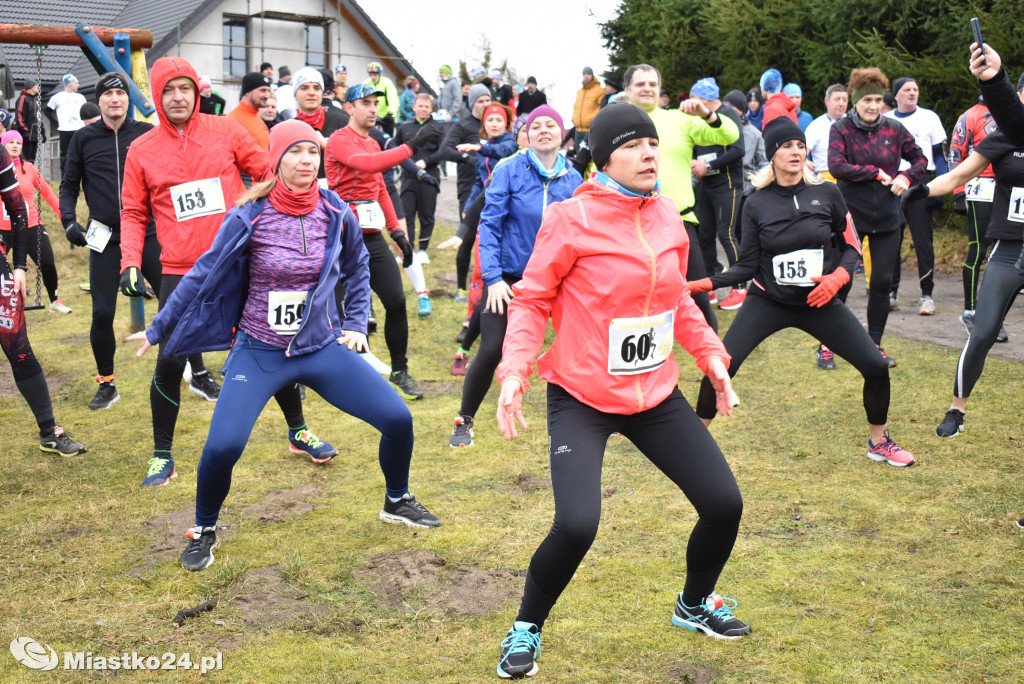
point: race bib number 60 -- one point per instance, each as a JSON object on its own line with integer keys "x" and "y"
{"x": 639, "y": 345}
{"x": 284, "y": 311}
{"x": 797, "y": 268}
{"x": 198, "y": 198}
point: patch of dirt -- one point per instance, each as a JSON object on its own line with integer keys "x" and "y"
{"x": 448, "y": 278}
{"x": 280, "y": 504}
{"x": 264, "y": 600}
{"x": 439, "y": 388}
{"x": 422, "y": 579}
{"x": 526, "y": 483}
{"x": 55, "y": 382}
{"x": 167, "y": 532}
{"x": 692, "y": 674}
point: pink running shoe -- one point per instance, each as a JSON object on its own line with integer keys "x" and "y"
{"x": 890, "y": 452}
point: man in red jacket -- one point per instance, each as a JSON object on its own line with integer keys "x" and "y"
{"x": 186, "y": 172}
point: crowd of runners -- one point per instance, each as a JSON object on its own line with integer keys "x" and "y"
{"x": 267, "y": 229}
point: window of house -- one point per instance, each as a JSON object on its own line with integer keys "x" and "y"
{"x": 236, "y": 30}
{"x": 316, "y": 45}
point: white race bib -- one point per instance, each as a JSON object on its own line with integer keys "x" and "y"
{"x": 1016, "y": 212}
{"x": 97, "y": 236}
{"x": 284, "y": 311}
{"x": 370, "y": 215}
{"x": 639, "y": 345}
{"x": 707, "y": 159}
{"x": 198, "y": 198}
{"x": 7, "y": 217}
{"x": 797, "y": 268}
{"x": 980, "y": 189}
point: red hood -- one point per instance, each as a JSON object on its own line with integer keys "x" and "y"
{"x": 164, "y": 70}
{"x": 784, "y": 100}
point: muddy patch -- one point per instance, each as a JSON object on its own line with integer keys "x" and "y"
{"x": 526, "y": 483}
{"x": 167, "y": 537}
{"x": 448, "y": 279}
{"x": 692, "y": 674}
{"x": 423, "y": 580}
{"x": 55, "y": 382}
{"x": 439, "y": 388}
{"x": 262, "y": 599}
{"x": 281, "y": 504}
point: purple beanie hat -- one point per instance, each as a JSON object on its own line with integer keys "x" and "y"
{"x": 544, "y": 110}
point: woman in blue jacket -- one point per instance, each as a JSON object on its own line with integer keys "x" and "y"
{"x": 521, "y": 187}
{"x": 270, "y": 275}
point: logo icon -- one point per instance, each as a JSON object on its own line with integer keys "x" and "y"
{"x": 30, "y": 653}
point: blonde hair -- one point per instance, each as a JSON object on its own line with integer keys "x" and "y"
{"x": 766, "y": 176}
{"x": 257, "y": 192}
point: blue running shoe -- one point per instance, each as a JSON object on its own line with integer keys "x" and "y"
{"x": 520, "y": 650}
{"x": 305, "y": 442}
{"x": 161, "y": 471}
{"x": 713, "y": 617}
{"x": 461, "y": 297}
{"x": 425, "y": 309}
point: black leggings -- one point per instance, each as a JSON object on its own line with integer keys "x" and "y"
{"x": 165, "y": 390}
{"x": 978, "y": 215}
{"x": 41, "y": 251}
{"x": 884, "y": 249}
{"x": 419, "y": 199}
{"x": 488, "y": 356}
{"x": 833, "y": 324}
{"x": 104, "y": 280}
{"x": 465, "y": 253}
{"x": 386, "y": 282}
{"x": 674, "y": 440}
{"x": 718, "y": 210}
{"x": 920, "y": 216}
{"x": 999, "y": 289}
{"x": 695, "y": 271}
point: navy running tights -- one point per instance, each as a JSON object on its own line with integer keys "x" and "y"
{"x": 255, "y": 371}
{"x": 673, "y": 439}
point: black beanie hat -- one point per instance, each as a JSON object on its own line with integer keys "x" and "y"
{"x": 615, "y": 125}
{"x": 737, "y": 99}
{"x": 253, "y": 80}
{"x": 779, "y": 131}
{"x": 88, "y": 111}
{"x": 328, "y": 80}
{"x": 898, "y": 84}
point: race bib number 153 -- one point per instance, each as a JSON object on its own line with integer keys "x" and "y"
{"x": 198, "y": 198}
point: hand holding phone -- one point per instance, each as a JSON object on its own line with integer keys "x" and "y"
{"x": 976, "y": 27}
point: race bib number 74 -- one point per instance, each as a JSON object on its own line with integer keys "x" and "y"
{"x": 198, "y": 198}
{"x": 639, "y": 345}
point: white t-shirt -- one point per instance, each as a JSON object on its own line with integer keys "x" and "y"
{"x": 926, "y": 128}
{"x": 817, "y": 142}
{"x": 68, "y": 107}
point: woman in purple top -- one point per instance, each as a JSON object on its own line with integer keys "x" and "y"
{"x": 266, "y": 289}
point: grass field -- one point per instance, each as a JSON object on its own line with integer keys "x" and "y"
{"x": 847, "y": 570}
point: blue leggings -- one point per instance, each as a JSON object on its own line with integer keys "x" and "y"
{"x": 255, "y": 371}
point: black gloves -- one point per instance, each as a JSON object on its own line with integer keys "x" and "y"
{"x": 403, "y": 244}
{"x": 132, "y": 284}
{"x": 425, "y": 177}
{"x": 75, "y": 234}
{"x": 917, "y": 192}
{"x": 428, "y": 134}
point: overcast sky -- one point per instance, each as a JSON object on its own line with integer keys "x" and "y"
{"x": 550, "y": 39}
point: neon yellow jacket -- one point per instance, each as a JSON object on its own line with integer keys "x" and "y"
{"x": 388, "y": 103}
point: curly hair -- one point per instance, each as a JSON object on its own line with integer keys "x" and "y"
{"x": 871, "y": 75}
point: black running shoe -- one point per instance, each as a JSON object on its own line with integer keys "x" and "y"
{"x": 407, "y": 511}
{"x": 889, "y": 361}
{"x": 106, "y": 396}
{"x": 952, "y": 425}
{"x": 1002, "y": 335}
{"x": 198, "y": 555}
{"x": 713, "y": 617}
{"x": 461, "y": 337}
{"x": 405, "y": 385}
{"x": 1020, "y": 523}
{"x": 205, "y": 386}
{"x": 56, "y": 441}
{"x": 520, "y": 649}
{"x": 826, "y": 361}
{"x": 967, "y": 320}
{"x": 462, "y": 435}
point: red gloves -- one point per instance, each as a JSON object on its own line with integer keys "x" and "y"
{"x": 828, "y": 286}
{"x": 702, "y": 285}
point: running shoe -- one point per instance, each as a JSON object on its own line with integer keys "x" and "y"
{"x": 405, "y": 385}
{"x": 889, "y": 361}
{"x": 461, "y": 337}
{"x": 85, "y": 287}
{"x": 106, "y": 396}
{"x": 461, "y": 297}
{"x": 462, "y": 435}
{"x": 713, "y": 616}
{"x": 860, "y": 268}
{"x": 967, "y": 320}
{"x": 198, "y": 555}
{"x": 422, "y": 257}
{"x": 927, "y": 306}
{"x": 459, "y": 364}
{"x": 520, "y": 649}
{"x": 1002, "y": 335}
{"x": 713, "y": 297}
{"x": 894, "y": 302}
{"x": 733, "y": 301}
{"x": 150, "y": 293}
{"x": 204, "y": 385}
{"x": 56, "y": 441}
{"x": 825, "y": 358}
{"x": 161, "y": 471}
{"x": 424, "y": 305}
{"x": 305, "y": 442}
{"x": 1020, "y": 523}
{"x": 371, "y": 322}
{"x": 890, "y": 452}
{"x": 952, "y": 425}
{"x": 59, "y": 307}
{"x": 407, "y": 511}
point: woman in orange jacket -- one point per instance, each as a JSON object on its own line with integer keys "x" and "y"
{"x": 41, "y": 252}
{"x": 608, "y": 268}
